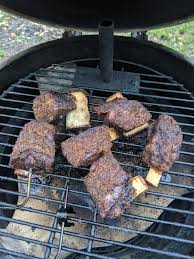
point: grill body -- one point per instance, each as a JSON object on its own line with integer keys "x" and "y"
{"x": 170, "y": 232}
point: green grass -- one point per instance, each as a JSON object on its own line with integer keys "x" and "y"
{"x": 179, "y": 37}
{"x": 3, "y": 16}
{"x": 3, "y": 53}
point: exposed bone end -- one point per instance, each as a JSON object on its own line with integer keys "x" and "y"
{"x": 21, "y": 172}
{"x": 114, "y": 96}
{"x": 80, "y": 117}
{"x": 113, "y": 134}
{"x": 136, "y": 130}
{"x": 139, "y": 185}
{"x": 153, "y": 176}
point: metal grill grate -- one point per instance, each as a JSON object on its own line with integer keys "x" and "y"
{"x": 168, "y": 222}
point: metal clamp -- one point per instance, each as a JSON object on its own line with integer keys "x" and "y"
{"x": 27, "y": 195}
{"x": 62, "y": 216}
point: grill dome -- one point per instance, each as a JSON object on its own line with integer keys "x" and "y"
{"x": 127, "y": 15}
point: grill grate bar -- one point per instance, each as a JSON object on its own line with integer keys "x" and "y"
{"x": 169, "y": 209}
{"x": 173, "y": 114}
{"x": 74, "y": 192}
{"x": 105, "y": 225}
{"x": 153, "y": 112}
{"x": 61, "y": 189}
{"x": 128, "y": 230}
{"x": 164, "y": 90}
{"x": 8, "y": 134}
{"x": 71, "y": 76}
{"x": 17, "y": 254}
{"x": 18, "y": 93}
{"x": 5, "y": 178}
{"x": 182, "y": 198}
{"x": 19, "y": 86}
{"x": 157, "y": 194}
{"x": 122, "y": 153}
{"x": 160, "y": 83}
{"x": 15, "y": 109}
{"x": 134, "y": 246}
{"x": 34, "y": 241}
{"x": 54, "y": 187}
{"x": 88, "y": 208}
{"x": 15, "y": 101}
{"x": 94, "y": 104}
{"x": 116, "y": 142}
{"x": 108, "y": 91}
{"x": 100, "y": 121}
{"x": 92, "y": 120}
{"x": 6, "y": 144}
{"x": 55, "y": 222}
{"x": 56, "y": 230}
{"x": 96, "y": 239}
{"x": 92, "y": 232}
{"x": 15, "y": 117}
{"x": 141, "y": 74}
{"x": 131, "y": 216}
{"x": 122, "y": 164}
{"x": 65, "y": 134}
{"x": 115, "y": 152}
{"x": 92, "y": 112}
{"x": 165, "y": 183}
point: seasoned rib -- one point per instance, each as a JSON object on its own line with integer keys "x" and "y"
{"x": 51, "y": 106}
{"x": 35, "y": 147}
{"x": 164, "y": 143}
{"x": 109, "y": 186}
{"x": 124, "y": 115}
{"x": 84, "y": 148}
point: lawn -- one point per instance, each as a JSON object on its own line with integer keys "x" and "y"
{"x": 17, "y": 34}
{"x": 179, "y": 37}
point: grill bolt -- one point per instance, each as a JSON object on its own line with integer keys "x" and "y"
{"x": 62, "y": 216}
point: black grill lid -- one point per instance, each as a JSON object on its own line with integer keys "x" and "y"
{"x": 127, "y": 15}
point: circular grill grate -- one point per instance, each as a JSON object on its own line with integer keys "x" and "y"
{"x": 152, "y": 223}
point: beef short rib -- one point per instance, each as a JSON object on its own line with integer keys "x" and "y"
{"x": 123, "y": 114}
{"x": 164, "y": 143}
{"x": 35, "y": 147}
{"x": 109, "y": 186}
{"x": 52, "y": 106}
{"x": 86, "y": 147}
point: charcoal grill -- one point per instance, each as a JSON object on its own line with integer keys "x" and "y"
{"x": 60, "y": 220}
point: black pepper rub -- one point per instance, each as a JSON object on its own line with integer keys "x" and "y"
{"x": 52, "y": 106}
{"x": 109, "y": 186}
{"x": 123, "y": 114}
{"x": 35, "y": 147}
{"x": 164, "y": 143}
{"x": 86, "y": 147}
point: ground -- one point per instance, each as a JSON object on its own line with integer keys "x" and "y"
{"x": 18, "y": 34}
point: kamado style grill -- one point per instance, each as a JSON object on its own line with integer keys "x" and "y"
{"x": 59, "y": 219}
